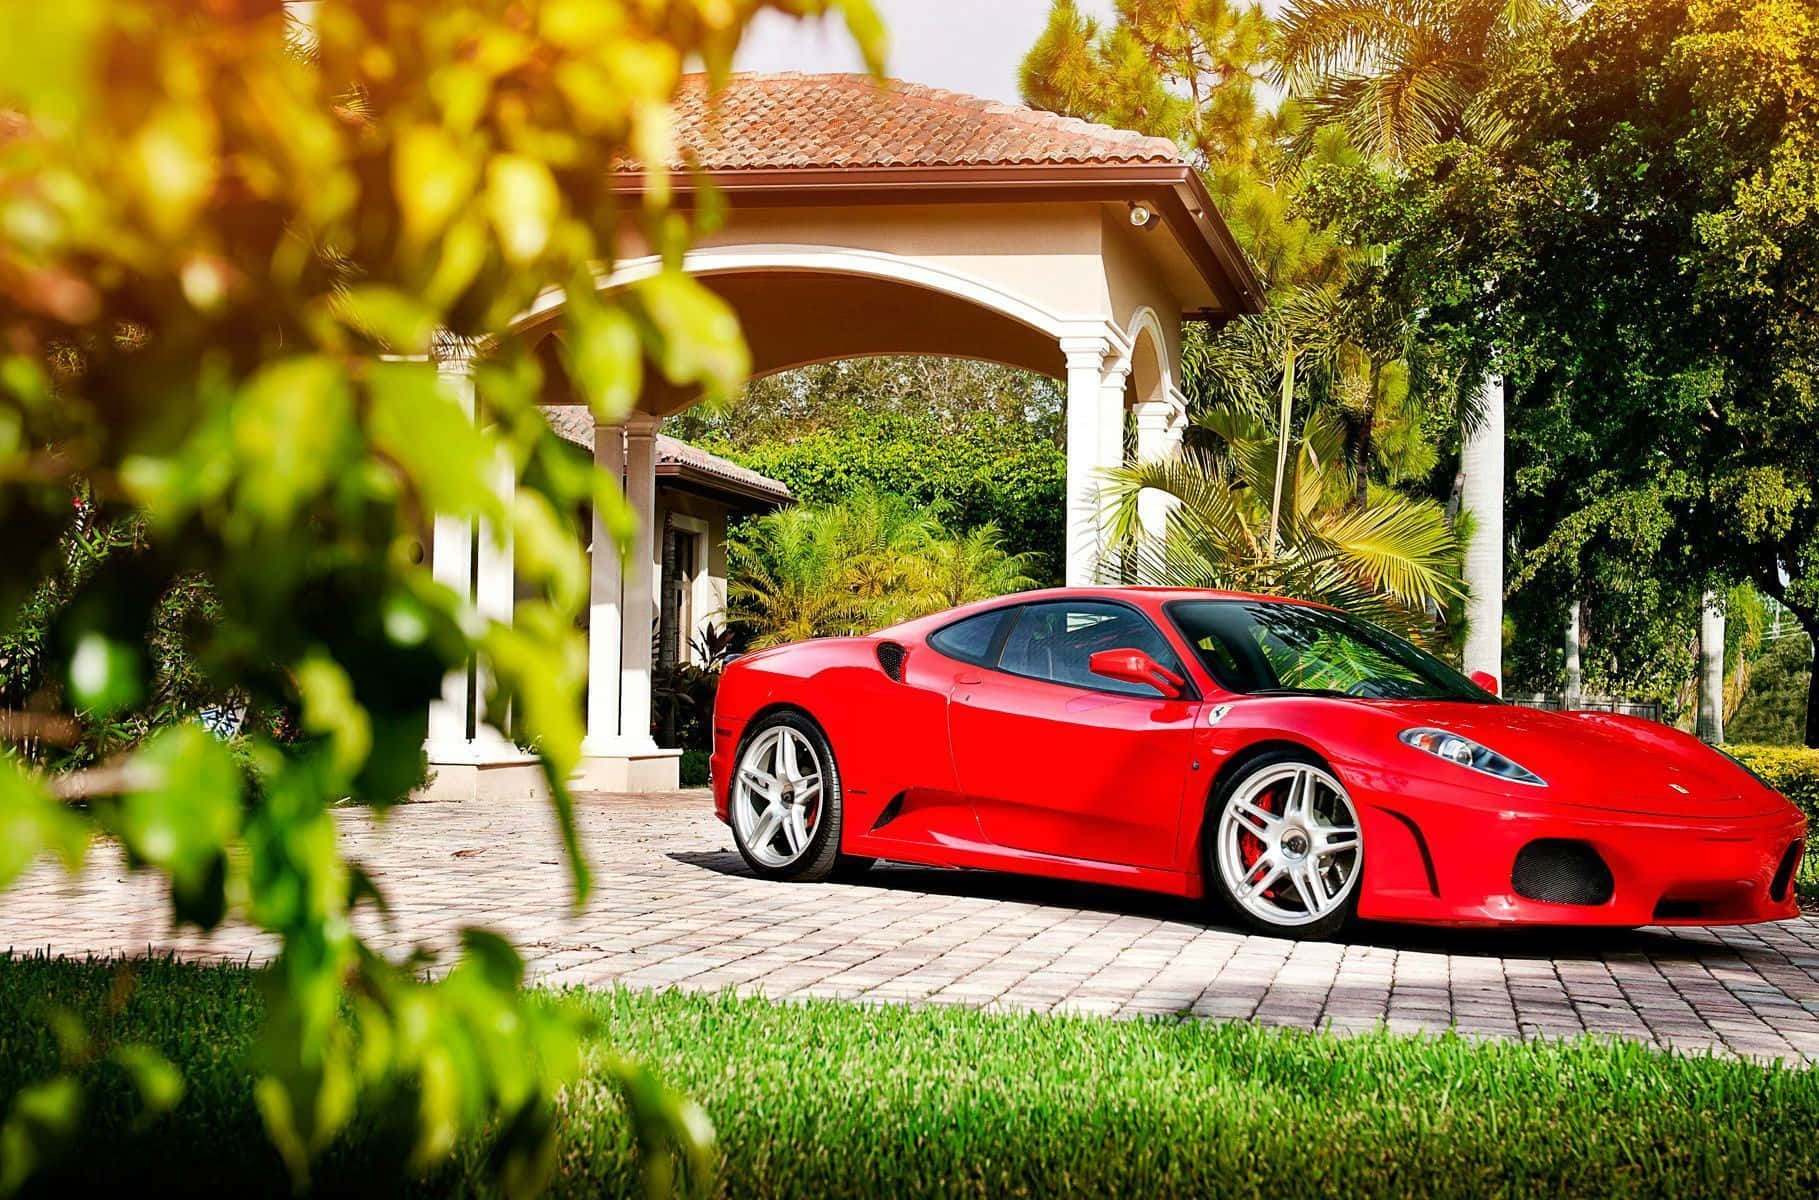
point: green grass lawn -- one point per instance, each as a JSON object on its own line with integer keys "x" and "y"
{"x": 828, "y": 1099}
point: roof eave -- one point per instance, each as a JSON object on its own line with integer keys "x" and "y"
{"x": 1176, "y": 189}
{"x": 732, "y": 491}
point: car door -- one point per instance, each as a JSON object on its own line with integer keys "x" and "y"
{"x": 1059, "y": 761}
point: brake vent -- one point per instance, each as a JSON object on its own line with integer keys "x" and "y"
{"x": 1558, "y": 871}
{"x": 890, "y": 657}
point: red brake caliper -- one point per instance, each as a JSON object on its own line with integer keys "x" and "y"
{"x": 1250, "y": 846}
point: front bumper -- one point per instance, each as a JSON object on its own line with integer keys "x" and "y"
{"x": 1445, "y": 855}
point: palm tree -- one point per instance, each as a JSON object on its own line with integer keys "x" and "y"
{"x": 850, "y": 568}
{"x": 1394, "y": 562}
{"x": 1400, "y": 76}
{"x": 971, "y": 566}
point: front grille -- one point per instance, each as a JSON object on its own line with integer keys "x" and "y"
{"x": 890, "y": 657}
{"x": 1558, "y": 871}
{"x": 1784, "y": 874}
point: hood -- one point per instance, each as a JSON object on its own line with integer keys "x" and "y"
{"x": 1599, "y": 760}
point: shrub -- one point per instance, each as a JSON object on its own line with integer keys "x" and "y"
{"x": 694, "y": 768}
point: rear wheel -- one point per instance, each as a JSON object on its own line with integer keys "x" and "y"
{"x": 1284, "y": 848}
{"x": 786, "y": 800}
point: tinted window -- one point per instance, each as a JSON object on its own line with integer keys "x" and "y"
{"x": 1056, "y": 641}
{"x": 1252, "y": 646}
{"x": 970, "y": 640}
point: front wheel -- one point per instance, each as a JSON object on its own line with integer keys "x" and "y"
{"x": 786, "y": 800}
{"x": 1285, "y": 850}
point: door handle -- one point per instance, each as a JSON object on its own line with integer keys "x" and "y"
{"x": 969, "y": 678}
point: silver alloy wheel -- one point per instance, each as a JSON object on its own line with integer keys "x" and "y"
{"x": 777, "y": 796}
{"x": 1289, "y": 846}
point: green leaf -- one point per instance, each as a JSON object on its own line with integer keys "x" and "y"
{"x": 41, "y": 1122}
{"x": 523, "y": 201}
{"x": 159, "y": 1084}
{"x": 604, "y": 355}
{"x": 330, "y": 708}
{"x": 695, "y": 332}
{"x": 106, "y": 674}
{"x": 418, "y": 422}
{"x": 185, "y": 806}
{"x": 292, "y": 428}
{"x": 434, "y": 176}
{"x": 32, "y": 821}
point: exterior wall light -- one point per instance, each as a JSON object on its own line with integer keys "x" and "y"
{"x": 1142, "y": 215}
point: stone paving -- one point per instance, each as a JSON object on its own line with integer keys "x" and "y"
{"x": 674, "y": 906}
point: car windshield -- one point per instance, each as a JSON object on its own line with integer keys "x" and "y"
{"x": 1259, "y": 648}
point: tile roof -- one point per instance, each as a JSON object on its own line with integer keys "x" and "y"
{"x": 792, "y": 120}
{"x": 574, "y": 423}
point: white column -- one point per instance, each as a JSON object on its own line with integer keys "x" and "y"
{"x": 1482, "y": 463}
{"x": 640, "y": 590}
{"x": 1711, "y": 669}
{"x": 603, "y": 625}
{"x": 495, "y": 584}
{"x": 1085, "y": 358}
{"x": 1160, "y": 426}
{"x": 452, "y": 565}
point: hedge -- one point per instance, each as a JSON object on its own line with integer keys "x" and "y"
{"x": 1791, "y": 770}
{"x": 1794, "y": 772}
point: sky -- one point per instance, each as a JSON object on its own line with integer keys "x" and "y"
{"x": 971, "y": 46}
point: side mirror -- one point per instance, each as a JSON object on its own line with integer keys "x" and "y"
{"x": 1134, "y": 666}
{"x": 1488, "y": 682}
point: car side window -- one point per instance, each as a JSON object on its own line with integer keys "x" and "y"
{"x": 1056, "y": 641}
{"x": 971, "y": 640}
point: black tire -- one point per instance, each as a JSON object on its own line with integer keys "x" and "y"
{"x": 819, "y": 858}
{"x": 1253, "y": 772}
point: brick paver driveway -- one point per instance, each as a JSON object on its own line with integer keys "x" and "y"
{"x": 675, "y": 906}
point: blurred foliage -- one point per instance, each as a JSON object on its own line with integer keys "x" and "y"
{"x": 851, "y": 568}
{"x": 258, "y": 300}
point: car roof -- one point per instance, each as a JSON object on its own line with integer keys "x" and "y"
{"x": 1145, "y": 596}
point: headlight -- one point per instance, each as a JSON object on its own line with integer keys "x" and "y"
{"x": 1470, "y": 755}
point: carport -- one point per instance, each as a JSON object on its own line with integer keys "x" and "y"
{"x": 870, "y": 219}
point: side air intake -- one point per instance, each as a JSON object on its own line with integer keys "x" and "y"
{"x": 1784, "y": 874}
{"x": 890, "y": 657}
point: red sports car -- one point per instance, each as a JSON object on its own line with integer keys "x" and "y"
{"x": 1299, "y": 764}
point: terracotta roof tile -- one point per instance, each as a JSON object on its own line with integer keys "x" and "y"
{"x": 792, "y": 120}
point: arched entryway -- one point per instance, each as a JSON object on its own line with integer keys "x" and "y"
{"x": 977, "y": 230}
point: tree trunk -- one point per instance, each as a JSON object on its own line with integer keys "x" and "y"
{"x": 1367, "y": 439}
{"x": 1575, "y": 676}
{"x": 1711, "y": 670}
{"x": 1812, "y": 696}
{"x": 1288, "y": 405}
{"x": 1481, "y": 462}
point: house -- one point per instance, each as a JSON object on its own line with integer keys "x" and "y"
{"x": 696, "y": 494}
